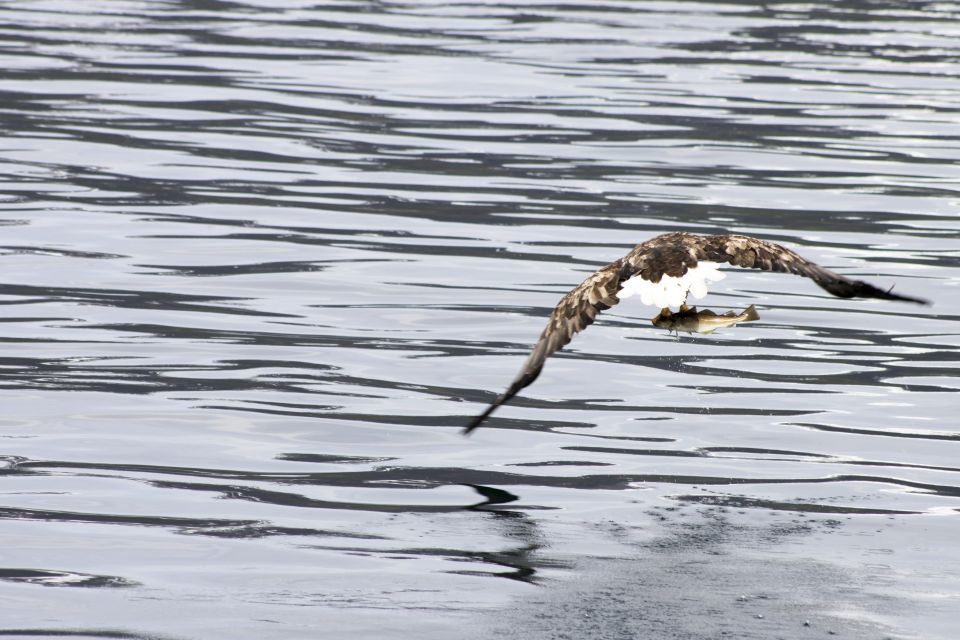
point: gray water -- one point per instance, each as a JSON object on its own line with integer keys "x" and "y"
{"x": 262, "y": 260}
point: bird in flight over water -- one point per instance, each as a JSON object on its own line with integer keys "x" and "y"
{"x": 663, "y": 271}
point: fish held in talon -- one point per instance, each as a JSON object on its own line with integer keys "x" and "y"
{"x": 665, "y": 271}
{"x": 706, "y": 321}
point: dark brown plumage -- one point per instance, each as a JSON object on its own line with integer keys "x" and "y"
{"x": 670, "y": 254}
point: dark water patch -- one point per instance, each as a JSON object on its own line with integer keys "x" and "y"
{"x": 636, "y": 452}
{"x": 109, "y": 634}
{"x": 436, "y": 347}
{"x": 763, "y": 452}
{"x": 872, "y": 372}
{"x": 562, "y": 463}
{"x": 626, "y": 438}
{"x": 51, "y": 251}
{"x": 163, "y": 470}
{"x": 889, "y": 433}
{"x": 740, "y": 502}
{"x": 721, "y": 390}
{"x": 333, "y": 413}
{"x": 131, "y": 299}
{"x": 322, "y": 458}
{"x": 894, "y": 465}
{"x": 9, "y": 513}
{"x": 493, "y": 496}
{"x": 288, "y": 499}
{"x": 320, "y": 411}
{"x": 218, "y": 528}
{"x": 85, "y": 375}
{"x": 212, "y": 271}
{"x": 522, "y": 563}
{"x": 254, "y": 531}
{"x": 406, "y": 478}
{"x": 51, "y": 578}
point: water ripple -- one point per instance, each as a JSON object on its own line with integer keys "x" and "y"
{"x": 262, "y": 263}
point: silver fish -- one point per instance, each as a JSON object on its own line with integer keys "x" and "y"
{"x": 692, "y": 321}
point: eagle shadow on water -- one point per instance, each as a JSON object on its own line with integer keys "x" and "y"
{"x": 663, "y": 271}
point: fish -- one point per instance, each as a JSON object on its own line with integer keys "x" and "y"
{"x": 690, "y": 320}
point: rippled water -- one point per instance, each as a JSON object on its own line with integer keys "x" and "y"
{"x": 262, "y": 260}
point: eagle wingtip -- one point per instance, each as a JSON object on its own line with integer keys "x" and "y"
{"x": 478, "y": 420}
{"x": 896, "y": 296}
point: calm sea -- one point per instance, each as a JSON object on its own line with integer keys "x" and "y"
{"x": 260, "y": 260}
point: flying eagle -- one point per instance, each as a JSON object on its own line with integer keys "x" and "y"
{"x": 663, "y": 271}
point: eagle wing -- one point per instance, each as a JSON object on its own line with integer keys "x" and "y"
{"x": 674, "y": 253}
{"x": 669, "y": 254}
{"x": 576, "y": 311}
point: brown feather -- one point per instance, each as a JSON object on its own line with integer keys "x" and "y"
{"x": 575, "y": 312}
{"x": 672, "y": 254}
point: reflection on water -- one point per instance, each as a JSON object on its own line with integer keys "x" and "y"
{"x": 262, "y": 261}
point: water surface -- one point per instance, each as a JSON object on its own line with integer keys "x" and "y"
{"x": 261, "y": 261}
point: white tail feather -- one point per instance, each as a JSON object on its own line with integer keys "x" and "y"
{"x": 671, "y": 291}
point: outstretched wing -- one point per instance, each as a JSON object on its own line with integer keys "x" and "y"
{"x": 674, "y": 253}
{"x": 576, "y": 311}
{"x": 670, "y": 254}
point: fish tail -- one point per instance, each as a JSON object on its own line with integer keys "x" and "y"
{"x": 750, "y": 314}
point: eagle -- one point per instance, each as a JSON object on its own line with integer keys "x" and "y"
{"x": 663, "y": 271}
